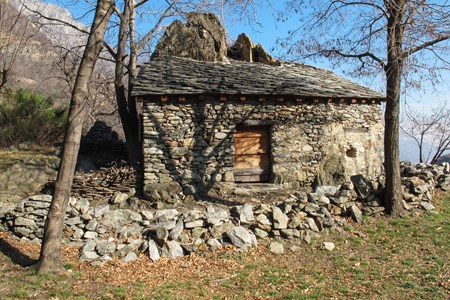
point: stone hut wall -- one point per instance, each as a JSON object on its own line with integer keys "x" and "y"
{"x": 189, "y": 145}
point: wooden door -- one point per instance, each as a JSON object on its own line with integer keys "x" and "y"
{"x": 252, "y": 161}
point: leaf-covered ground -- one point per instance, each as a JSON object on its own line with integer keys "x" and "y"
{"x": 384, "y": 258}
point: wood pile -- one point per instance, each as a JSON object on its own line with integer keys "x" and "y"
{"x": 105, "y": 182}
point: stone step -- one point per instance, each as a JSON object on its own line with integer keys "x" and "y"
{"x": 256, "y": 188}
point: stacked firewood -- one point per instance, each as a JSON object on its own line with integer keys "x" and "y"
{"x": 105, "y": 182}
{"x": 102, "y": 183}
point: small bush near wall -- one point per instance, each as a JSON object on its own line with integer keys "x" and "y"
{"x": 28, "y": 116}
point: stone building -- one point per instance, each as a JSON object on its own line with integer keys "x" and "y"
{"x": 211, "y": 124}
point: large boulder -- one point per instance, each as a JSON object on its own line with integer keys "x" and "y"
{"x": 202, "y": 38}
{"x": 164, "y": 192}
{"x": 261, "y": 55}
{"x": 244, "y": 49}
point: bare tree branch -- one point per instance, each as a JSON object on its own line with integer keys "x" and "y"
{"x": 57, "y": 21}
{"x": 425, "y": 45}
{"x": 359, "y": 56}
{"x": 429, "y": 130}
{"x": 151, "y": 32}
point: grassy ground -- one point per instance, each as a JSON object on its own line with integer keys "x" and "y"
{"x": 384, "y": 258}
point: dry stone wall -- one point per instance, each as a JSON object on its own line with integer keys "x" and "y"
{"x": 107, "y": 231}
{"x": 189, "y": 146}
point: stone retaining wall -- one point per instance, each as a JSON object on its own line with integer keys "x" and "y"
{"x": 105, "y": 231}
{"x": 191, "y": 143}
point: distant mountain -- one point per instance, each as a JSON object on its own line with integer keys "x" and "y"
{"x": 444, "y": 158}
{"x": 57, "y": 33}
{"x": 44, "y": 64}
{"x": 26, "y": 47}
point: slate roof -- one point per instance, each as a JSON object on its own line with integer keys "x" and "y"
{"x": 184, "y": 76}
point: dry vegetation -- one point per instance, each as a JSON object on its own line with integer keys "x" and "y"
{"x": 10, "y": 157}
{"x": 384, "y": 258}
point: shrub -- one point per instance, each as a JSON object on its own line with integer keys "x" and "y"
{"x": 27, "y": 116}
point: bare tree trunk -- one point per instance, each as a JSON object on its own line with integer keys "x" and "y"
{"x": 133, "y": 137}
{"x": 126, "y": 104}
{"x": 393, "y": 190}
{"x": 50, "y": 256}
{"x": 3, "y": 77}
{"x": 421, "y": 150}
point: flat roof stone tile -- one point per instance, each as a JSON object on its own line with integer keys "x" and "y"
{"x": 184, "y": 76}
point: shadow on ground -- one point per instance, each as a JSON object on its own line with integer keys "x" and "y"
{"x": 16, "y": 256}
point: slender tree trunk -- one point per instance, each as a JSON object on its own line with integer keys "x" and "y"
{"x": 133, "y": 145}
{"x": 50, "y": 256}
{"x": 126, "y": 104}
{"x": 393, "y": 190}
{"x": 3, "y": 78}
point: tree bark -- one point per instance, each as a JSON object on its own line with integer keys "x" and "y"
{"x": 50, "y": 256}
{"x": 133, "y": 141}
{"x": 421, "y": 149}
{"x": 3, "y": 78}
{"x": 125, "y": 103}
{"x": 393, "y": 189}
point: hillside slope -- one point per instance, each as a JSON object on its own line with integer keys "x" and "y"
{"x": 47, "y": 57}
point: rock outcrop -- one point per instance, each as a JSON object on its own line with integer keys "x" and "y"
{"x": 244, "y": 49}
{"x": 26, "y": 177}
{"x": 202, "y": 38}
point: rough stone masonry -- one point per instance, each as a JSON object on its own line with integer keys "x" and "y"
{"x": 194, "y": 148}
{"x": 320, "y": 127}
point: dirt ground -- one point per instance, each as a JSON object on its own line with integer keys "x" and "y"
{"x": 383, "y": 258}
